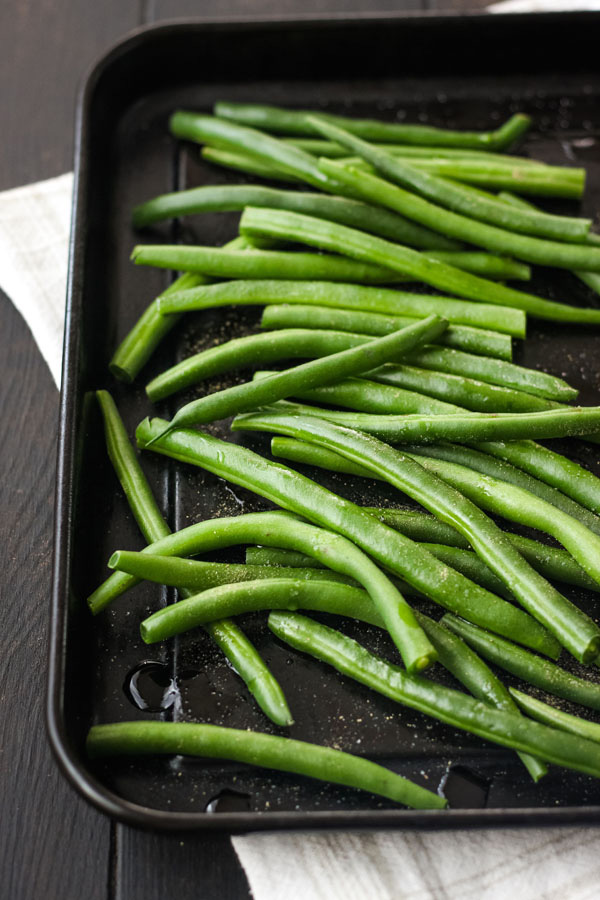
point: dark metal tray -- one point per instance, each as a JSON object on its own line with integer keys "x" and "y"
{"x": 459, "y": 72}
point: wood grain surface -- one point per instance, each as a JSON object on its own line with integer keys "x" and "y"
{"x": 52, "y": 844}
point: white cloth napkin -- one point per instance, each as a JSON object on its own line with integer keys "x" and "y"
{"x": 528, "y": 864}
{"x": 521, "y": 6}
{"x": 34, "y": 239}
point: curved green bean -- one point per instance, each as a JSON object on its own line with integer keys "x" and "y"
{"x": 201, "y": 576}
{"x": 257, "y": 749}
{"x": 451, "y": 195}
{"x": 352, "y": 361}
{"x": 531, "y": 668}
{"x": 374, "y": 397}
{"x": 449, "y": 706}
{"x": 223, "y": 197}
{"x": 539, "y": 251}
{"x": 336, "y": 552}
{"x": 375, "y": 250}
{"x": 400, "y": 555}
{"x": 350, "y": 296}
{"x": 464, "y": 337}
{"x": 297, "y": 122}
{"x": 556, "y": 718}
{"x": 240, "y": 652}
{"x": 575, "y": 631}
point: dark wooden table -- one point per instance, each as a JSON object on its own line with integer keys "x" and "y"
{"x": 52, "y": 844}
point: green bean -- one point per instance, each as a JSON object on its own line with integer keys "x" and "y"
{"x": 240, "y": 652}
{"x": 231, "y": 136}
{"x": 339, "y": 554}
{"x": 372, "y": 397}
{"x": 223, "y": 197}
{"x": 141, "y": 341}
{"x": 531, "y": 668}
{"x": 463, "y": 337}
{"x": 457, "y": 658}
{"x": 496, "y": 468}
{"x": 249, "y": 164}
{"x": 401, "y": 556}
{"x": 453, "y": 196}
{"x": 505, "y": 374}
{"x": 289, "y": 593}
{"x": 572, "y": 421}
{"x": 353, "y": 361}
{"x": 333, "y": 150}
{"x": 375, "y": 250}
{"x": 444, "y": 704}
{"x": 141, "y": 500}
{"x": 590, "y": 279}
{"x": 276, "y": 592}
{"x": 297, "y": 122}
{"x": 201, "y": 576}
{"x": 575, "y": 631}
{"x": 540, "y": 181}
{"x": 556, "y": 718}
{"x": 254, "y": 748}
{"x": 549, "y": 466}
{"x": 497, "y": 240}
{"x": 488, "y": 265}
{"x": 350, "y": 296}
{"x": 555, "y": 564}
{"x": 220, "y": 262}
{"x": 520, "y": 506}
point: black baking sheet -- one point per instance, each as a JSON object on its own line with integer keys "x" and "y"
{"x": 467, "y": 73}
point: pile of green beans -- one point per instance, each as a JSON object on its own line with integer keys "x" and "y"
{"x": 575, "y": 631}
{"x": 417, "y": 370}
{"x": 302, "y": 496}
